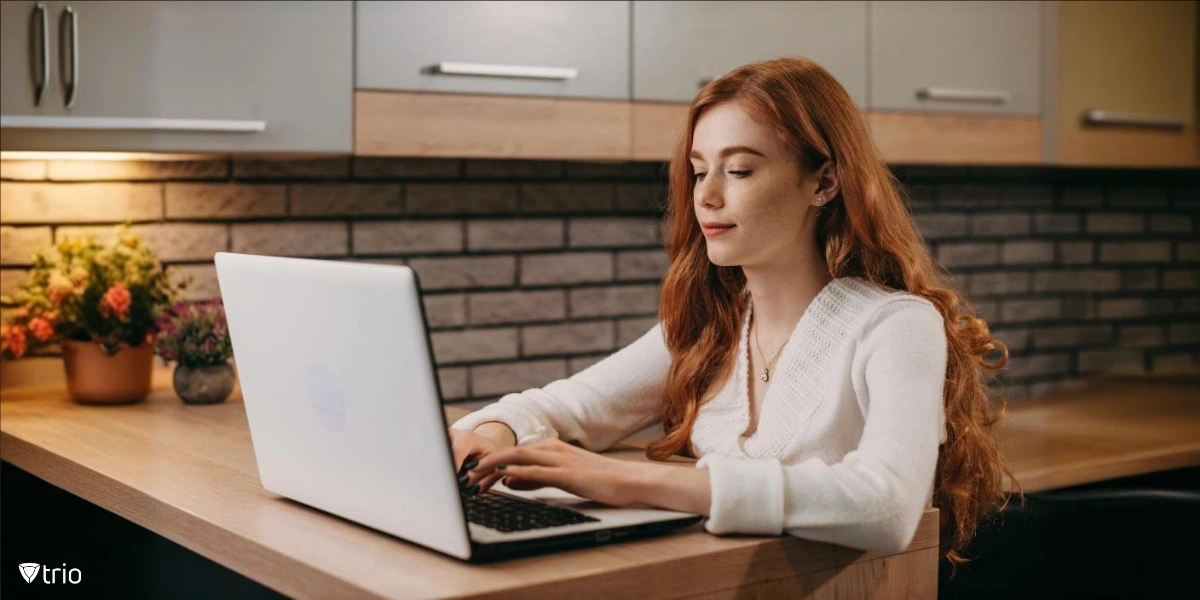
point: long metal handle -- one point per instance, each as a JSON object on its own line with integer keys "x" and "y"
{"x": 1104, "y": 117}
{"x": 71, "y": 86}
{"x": 40, "y": 53}
{"x": 963, "y": 95}
{"x": 486, "y": 70}
{"x": 130, "y": 124}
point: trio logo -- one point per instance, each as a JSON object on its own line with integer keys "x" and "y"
{"x": 29, "y": 571}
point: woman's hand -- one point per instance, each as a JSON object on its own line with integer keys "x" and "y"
{"x": 556, "y": 463}
{"x": 471, "y": 446}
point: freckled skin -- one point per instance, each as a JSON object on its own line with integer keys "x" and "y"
{"x": 769, "y": 205}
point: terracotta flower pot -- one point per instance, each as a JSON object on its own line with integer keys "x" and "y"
{"x": 94, "y": 378}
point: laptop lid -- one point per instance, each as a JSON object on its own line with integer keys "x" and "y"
{"x": 341, "y": 395}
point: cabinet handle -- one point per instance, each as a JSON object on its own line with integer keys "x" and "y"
{"x": 130, "y": 124}
{"x": 962, "y": 95}
{"x": 485, "y": 70}
{"x": 40, "y": 66}
{"x": 70, "y": 18}
{"x": 1104, "y": 117}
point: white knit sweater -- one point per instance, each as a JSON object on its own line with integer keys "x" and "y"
{"x": 847, "y": 438}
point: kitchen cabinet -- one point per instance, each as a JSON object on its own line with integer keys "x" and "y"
{"x": 178, "y": 76}
{"x": 1126, "y": 75}
{"x": 679, "y": 46}
{"x": 956, "y": 57}
{"x": 550, "y": 49}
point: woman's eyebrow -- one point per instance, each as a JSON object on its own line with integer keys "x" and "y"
{"x": 729, "y": 151}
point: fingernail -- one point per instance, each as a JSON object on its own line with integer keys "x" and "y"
{"x": 471, "y": 463}
{"x": 501, "y": 467}
{"x": 473, "y": 490}
{"x": 463, "y": 480}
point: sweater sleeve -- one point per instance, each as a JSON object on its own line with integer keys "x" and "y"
{"x": 874, "y": 498}
{"x": 597, "y": 407}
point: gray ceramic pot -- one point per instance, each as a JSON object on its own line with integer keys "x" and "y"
{"x": 204, "y": 385}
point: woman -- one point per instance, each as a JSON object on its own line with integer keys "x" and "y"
{"x": 805, "y": 352}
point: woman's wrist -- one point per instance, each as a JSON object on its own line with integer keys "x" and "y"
{"x": 673, "y": 487}
{"x": 501, "y": 434}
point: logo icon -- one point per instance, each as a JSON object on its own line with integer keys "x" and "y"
{"x": 29, "y": 571}
{"x": 325, "y": 393}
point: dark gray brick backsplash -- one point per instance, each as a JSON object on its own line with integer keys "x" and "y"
{"x": 1135, "y": 252}
{"x": 1003, "y": 224}
{"x": 941, "y": 225}
{"x": 460, "y": 198}
{"x": 1056, "y": 223}
{"x": 517, "y": 307}
{"x": 567, "y": 197}
{"x": 514, "y": 234}
{"x": 534, "y": 270}
{"x": 1027, "y": 253}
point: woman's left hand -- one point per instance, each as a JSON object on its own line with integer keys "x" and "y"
{"x": 556, "y": 463}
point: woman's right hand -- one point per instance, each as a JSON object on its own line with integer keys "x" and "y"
{"x": 471, "y": 446}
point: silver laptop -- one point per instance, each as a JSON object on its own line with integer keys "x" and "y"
{"x": 345, "y": 414}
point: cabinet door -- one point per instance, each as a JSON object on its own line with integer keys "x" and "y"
{"x": 677, "y": 46}
{"x": 27, "y": 53}
{"x": 561, "y": 49}
{"x": 1127, "y": 84}
{"x": 188, "y": 76}
{"x": 969, "y": 57}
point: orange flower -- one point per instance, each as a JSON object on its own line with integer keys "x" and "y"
{"x": 41, "y": 329}
{"x": 116, "y": 301}
{"x": 14, "y": 340}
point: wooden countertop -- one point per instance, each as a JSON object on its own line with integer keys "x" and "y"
{"x": 188, "y": 473}
{"x": 1111, "y": 428}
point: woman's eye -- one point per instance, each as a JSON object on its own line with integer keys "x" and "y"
{"x": 740, "y": 173}
{"x": 698, "y": 177}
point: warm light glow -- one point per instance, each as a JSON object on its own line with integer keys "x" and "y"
{"x": 109, "y": 156}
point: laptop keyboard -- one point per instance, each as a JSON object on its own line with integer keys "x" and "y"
{"x": 504, "y": 513}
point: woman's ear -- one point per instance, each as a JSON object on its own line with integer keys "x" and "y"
{"x": 828, "y": 185}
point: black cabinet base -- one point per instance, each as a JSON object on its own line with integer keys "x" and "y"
{"x": 109, "y": 556}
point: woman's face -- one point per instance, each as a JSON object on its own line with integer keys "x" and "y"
{"x": 746, "y": 177}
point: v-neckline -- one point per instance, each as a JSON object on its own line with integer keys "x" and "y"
{"x": 746, "y": 398}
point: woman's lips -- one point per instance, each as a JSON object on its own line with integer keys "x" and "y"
{"x": 712, "y": 231}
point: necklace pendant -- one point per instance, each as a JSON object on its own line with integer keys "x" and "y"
{"x": 766, "y": 375}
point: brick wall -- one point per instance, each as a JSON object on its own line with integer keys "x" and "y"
{"x": 534, "y": 270}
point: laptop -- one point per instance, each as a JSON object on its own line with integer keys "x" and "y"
{"x": 346, "y": 415}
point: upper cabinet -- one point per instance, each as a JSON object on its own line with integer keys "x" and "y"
{"x": 956, "y": 57}
{"x": 177, "y": 76}
{"x": 1126, "y": 84}
{"x": 555, "y": 49}
{"x": 680, "y": 46}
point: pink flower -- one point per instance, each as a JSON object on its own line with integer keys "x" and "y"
{"x": 14, "y": 340}
{"x": 116, "y": 301}
{"x": 41, "y": 329}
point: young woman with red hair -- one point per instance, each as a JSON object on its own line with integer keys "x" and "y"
{"x": 805, "y": 351}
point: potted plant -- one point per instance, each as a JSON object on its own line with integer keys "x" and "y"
{"x": 100, "y": 302}
{"x": 195, "y": 335}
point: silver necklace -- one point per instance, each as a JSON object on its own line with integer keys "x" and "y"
{"x": 766, "y": 374}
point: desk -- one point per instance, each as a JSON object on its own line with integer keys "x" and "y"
{"x": 1109, "y": 429}
{"x": 188, "y": 474}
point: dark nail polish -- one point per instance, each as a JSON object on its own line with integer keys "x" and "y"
{"x": 501, "y": 467}
{"x": 473, "y": 490}
{"x": 462, "y": 481}
{"x": 470, "y": 463}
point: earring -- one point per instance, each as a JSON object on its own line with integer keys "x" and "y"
{"x": 820, "y": 201}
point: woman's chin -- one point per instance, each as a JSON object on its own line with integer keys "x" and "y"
{"x": 722, "y": 259}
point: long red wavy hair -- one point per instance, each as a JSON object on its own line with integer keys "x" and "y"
{"x": 866, "y": 231}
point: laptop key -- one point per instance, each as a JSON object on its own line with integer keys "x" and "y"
{"x": 511, "y": 514}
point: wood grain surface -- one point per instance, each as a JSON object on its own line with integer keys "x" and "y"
{"x": 188, "y": 473}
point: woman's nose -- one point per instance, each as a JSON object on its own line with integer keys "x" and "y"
{"x": 707, "y": 195}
